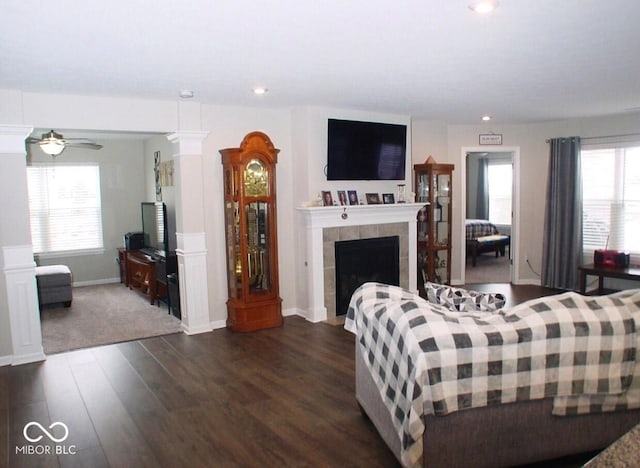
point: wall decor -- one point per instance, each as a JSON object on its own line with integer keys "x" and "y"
{"x": 156, "y": 173}
{"x": 166, "y": 174}
{"x": 353, "y": 197}
{"x": 373, "y": 199}
{"x": 327, "y": 199}
{"x": 342, "y": 197}
{"x": 388, "y": 198}
{"x": 490, "y": 139}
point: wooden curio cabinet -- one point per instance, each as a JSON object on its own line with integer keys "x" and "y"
{"x": 251, "y": 240}
{"x": 432, "y": 185}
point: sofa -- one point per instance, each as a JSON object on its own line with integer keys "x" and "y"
{"x": 427, "y": 420}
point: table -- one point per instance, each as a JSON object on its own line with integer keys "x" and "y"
{"x": 631, "y": 272}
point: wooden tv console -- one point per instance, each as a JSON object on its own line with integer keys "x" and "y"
{"x": 146, "y": 273}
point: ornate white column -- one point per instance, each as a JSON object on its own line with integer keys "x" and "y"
{"x": 19, "y": 300}
{"x": 191, "y": 248}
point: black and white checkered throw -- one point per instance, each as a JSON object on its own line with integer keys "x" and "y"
{"x": 426, "y": 359}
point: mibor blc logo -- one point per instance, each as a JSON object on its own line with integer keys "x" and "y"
{"x": 35, "y": 432}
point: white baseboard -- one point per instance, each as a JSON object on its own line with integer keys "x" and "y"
{"x": 27, "y": 358}
{"x": 216, "y": 325}
{"x": 6, "y": 360}
{"x": 95, "y": 282}
{"x": 294, "y": 311}
{"x": 528, "y": 281}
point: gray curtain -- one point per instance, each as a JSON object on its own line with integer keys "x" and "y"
{"x": 482, "y": 193}
{"x": 562, "y": 245}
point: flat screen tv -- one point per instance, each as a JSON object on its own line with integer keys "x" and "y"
{"x": 365, "y": 150}
{"x": 154, "y": 227}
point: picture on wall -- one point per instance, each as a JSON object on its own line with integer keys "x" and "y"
{"x": 388, "y": 198}
{"x": 156, "y": 172}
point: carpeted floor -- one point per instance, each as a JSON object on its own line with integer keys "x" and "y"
{"x": 488, "y": 269}
{"x": 109, "y": 313}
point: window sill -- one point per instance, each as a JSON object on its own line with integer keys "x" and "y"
{"x": 69, "y": 253}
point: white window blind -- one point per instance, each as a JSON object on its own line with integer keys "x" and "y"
{"x": 65, "y": 208}
{"x": 611, "y": 199}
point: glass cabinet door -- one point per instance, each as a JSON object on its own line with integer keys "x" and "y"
{"x": 234, "y": 260}
{"x": 442, "y": 206}
{"x": 258, "y": 266}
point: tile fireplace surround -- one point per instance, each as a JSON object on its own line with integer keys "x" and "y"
{"x": 327, "y": 224}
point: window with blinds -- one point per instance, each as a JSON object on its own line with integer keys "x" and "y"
{"x": 500, "y": 175}
{"x": 611, "y": 199}
{"x": 65, "y": 208}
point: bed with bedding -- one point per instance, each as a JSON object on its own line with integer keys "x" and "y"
{"x": 457, "y": 380}
{"x": 479, "y": 228}
{"x": 483, "y": 236}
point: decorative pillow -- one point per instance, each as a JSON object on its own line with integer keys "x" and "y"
{"x": 463, "y": 300}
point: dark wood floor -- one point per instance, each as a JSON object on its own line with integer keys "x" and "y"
{"x": 280, "y": 397}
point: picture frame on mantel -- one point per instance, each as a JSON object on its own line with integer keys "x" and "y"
{"x": 490, "y": 138}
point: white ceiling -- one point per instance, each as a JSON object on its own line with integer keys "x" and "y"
{"x": 431, "y": 59}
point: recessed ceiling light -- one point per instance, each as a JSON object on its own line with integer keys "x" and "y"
{"x": 486, "y": 118}
{"x": 260, "y": 90}
{"x": 484, "y": 6}
{"x": 186, "y": 94}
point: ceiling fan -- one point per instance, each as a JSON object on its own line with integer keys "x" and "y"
{"x": 54, "y": 143}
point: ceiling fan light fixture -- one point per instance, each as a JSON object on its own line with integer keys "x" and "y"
{"x": 52, "y": 147}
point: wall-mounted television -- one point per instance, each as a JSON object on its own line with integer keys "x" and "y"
{"x": 365, "y": 150}
{"x": 154, "y": 227}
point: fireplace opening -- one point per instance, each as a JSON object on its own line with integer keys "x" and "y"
{"x": 362, "y": 260}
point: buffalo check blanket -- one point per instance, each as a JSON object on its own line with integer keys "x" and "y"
{"x": 428, "y": 360}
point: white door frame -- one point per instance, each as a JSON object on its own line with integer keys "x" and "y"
{"x": 515, "y": 205}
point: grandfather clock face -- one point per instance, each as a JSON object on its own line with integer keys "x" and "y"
{"x": 256, "y": 179}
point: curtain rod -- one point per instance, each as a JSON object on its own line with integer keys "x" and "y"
{"x": 604, "y": 136}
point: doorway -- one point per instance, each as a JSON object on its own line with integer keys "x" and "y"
{"x": 490, "y": 223}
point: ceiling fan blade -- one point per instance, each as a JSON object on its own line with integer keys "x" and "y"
{"x": 82, "y": 144}
{"x": 33, "y": 140}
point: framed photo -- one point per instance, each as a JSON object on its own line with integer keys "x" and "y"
{"x": 388, "y": 198}
{"x": 353, "y": 197}
{"x": 327, "y": 199}
{"x": 490, "y": 139}
{"x": 373, "y": 199}
{"x": 342, "y": 197}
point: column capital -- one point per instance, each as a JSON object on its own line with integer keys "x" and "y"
{"x": 12, "y": 138}
{"x": 188, "y": 142}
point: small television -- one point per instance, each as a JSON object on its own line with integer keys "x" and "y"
{"x": 365, "y": 150}
{"x": 154, "y": 227}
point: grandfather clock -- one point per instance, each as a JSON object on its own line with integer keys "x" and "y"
{"x": 251, "y": 239}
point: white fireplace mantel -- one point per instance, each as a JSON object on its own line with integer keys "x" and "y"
{"x": 319, "y": 217}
